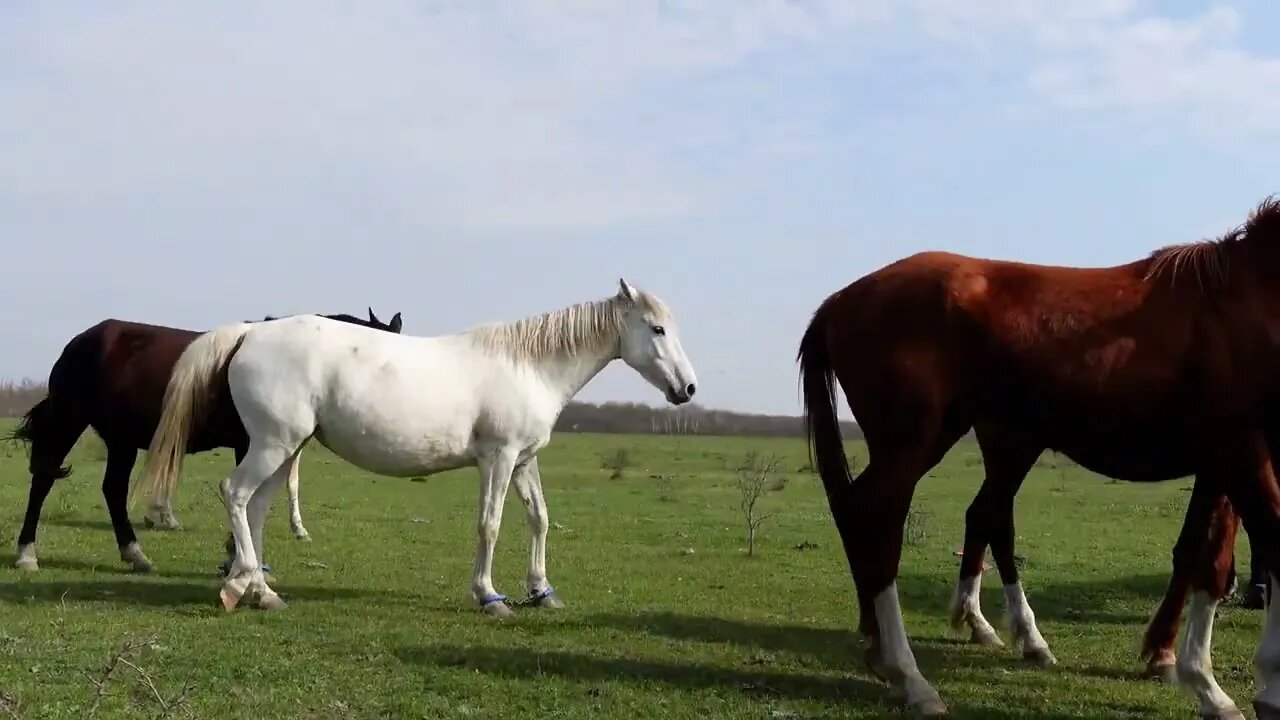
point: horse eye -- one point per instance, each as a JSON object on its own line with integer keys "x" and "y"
{"x": 659, "y": 330}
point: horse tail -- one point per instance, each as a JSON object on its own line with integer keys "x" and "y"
{"x": 822, "y": 426}
{"x": 194, "y": 382}
{"x": 37, "y": 425}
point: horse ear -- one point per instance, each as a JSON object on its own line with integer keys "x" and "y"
{"x": 373, "y": 318}
{"x": 396, "y": 324}
{"x": 625, "y": 291}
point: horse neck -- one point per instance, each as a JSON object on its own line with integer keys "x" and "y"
{"x": 566, "y": 374}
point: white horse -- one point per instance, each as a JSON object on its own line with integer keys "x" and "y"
{"x": 407, "y": 406}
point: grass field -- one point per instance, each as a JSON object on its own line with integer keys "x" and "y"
{"x": 667, "y": 616}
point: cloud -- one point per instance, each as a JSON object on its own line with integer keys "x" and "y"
{"x": 490, "y": 114}
{"x": 516, "y": 114}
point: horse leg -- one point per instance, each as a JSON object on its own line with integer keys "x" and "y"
{"x": 528, "y": 482}
{"x": 1162, "y": 631}
{"x": 257, "y": 509}
{"x": 870, "y": 515}
{"x": 295, "y": 510}
{"x": 160, "y": 515}
{"x": 990, "y": 519}
{"x": 1255, "y": 596}
{"x": 259, "y": 464}
{"x": 1208, "y": 565}
{"x": 52, "y": 439}
{"x": 496, "y": 469}
{"x": 115, "y": 491}
{"x": 224, "y": 487}
{"x": 1256, "y": 497}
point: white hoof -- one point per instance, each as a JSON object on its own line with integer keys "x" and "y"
{"x": 27, "y": 558}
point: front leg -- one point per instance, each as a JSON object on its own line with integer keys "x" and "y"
{"x": 496, "y": 468}
{"x": 528, "y": 482}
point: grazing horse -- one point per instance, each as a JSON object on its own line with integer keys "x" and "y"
{"x": 1157, "y": 369}
{"x": 112, "y": 377}
{"x": 409, "y": 406}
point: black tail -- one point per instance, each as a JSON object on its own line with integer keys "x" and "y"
{"x": 35, "y": 426}
{"x": 822, "y": 425}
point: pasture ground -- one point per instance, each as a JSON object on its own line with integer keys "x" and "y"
{"x": 667, "y": 617}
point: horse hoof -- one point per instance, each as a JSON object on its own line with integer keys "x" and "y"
{"x": 929, "y": 709}
{"x": 141, "y": 566}
{"x": 29, "y": 564}
{"x": 170, "y": 524}
{"x": 551, "y": 601}
{"x": 986, "y": 637}
{"x": 230, "y": 598}
{"x": 303, "y": 536}
{"x": 272, "y": 602}
{"x": 1040, "y": 657}
{"x": 1162, "y": 673}
{"x": 498, "y": 610}
{"x": 1231, "y": 714}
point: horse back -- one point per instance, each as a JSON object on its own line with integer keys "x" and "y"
{"x": 119, "y": 370}
{"x": 1025, "y": 345}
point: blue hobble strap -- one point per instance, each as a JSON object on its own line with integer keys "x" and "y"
{"x": 493, "y": 599}
{"x": 266, "y": 568}
{"x": 534, "y": 598}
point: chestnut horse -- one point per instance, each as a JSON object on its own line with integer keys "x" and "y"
{"x": 112, "y": 377}
{"x": 1153, "y": 370}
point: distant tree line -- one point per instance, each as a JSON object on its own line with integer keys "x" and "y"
{"x": 610, "y": 417}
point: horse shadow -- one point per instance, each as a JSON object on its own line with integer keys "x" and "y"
{"x": 1094, "y": 601}
{"x": 140, "y": 591}
{"x": 588, "y": 669}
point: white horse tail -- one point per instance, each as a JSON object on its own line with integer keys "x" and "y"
{"x": 195, "y": 379}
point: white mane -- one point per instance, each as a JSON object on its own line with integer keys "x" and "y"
{"x": 587, "y": 326}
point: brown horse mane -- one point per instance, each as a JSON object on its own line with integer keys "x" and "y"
{"x": 1209, "y": 260}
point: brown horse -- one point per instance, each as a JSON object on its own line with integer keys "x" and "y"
{"x": 1154, "y": 370}
{"x": 112, "y": 377}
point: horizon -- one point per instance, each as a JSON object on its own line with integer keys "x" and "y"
{"x": 192, "y": 165}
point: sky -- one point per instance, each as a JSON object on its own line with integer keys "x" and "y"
{"x": 192, "y": 163}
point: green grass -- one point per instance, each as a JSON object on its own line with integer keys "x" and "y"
{"x": 667, "y": 615}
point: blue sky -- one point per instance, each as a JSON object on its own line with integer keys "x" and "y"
{"x": 465, "y": 161}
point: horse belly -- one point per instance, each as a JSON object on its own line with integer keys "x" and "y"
{"x": 398, "y": 452}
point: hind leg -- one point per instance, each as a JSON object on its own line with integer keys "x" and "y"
{"x": 989, "y": 519}
{"x": 261, "y": 462}
{"x": 870, "y": 515}
{"x": 257, "y": 509}
{"x": 115, "y": 491}
{"x": 51, "y": 442}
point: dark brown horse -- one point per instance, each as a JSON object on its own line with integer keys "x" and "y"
{"x": 112, "y": 377}
{"x": 1158, "y": 369}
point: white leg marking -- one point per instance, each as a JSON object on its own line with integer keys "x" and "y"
{"x": 528, "y": 482}
{"x": 1195, "y": 666}
{"x": 966, "y": 610}
{"x": 495, "y": 478}
{"x": 897, "y": 659}
{"x": 295, "y": 509}
{"x": 1022, "y": 624}
{"x": 132, "y": 554}
{"x": 1267, "y": 660}
{"x": 27, "y": 557}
